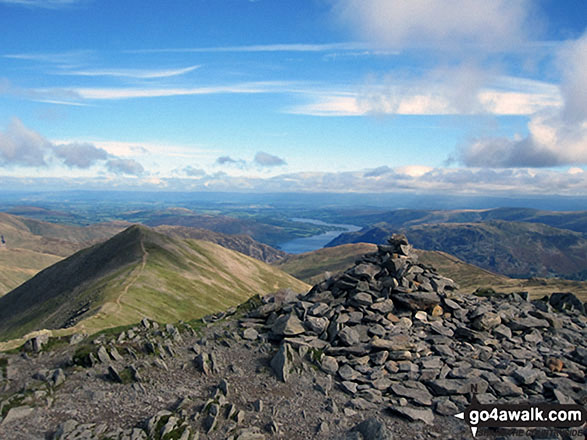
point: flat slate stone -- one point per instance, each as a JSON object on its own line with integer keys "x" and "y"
{"x": 414, "y": 414}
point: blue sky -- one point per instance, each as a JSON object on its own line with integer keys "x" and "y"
{"x": 448, "y": 96}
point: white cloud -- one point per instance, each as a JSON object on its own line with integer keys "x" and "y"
{"x": 459, "y": 90}
{"x": 573, "y": 62}
{"x": 79, "y": 155}
{"x": 268, "y": 160}
{"x": 20, "y": 146}
{"x": 153, "y": 92}
{"x": 293, "y": 47}
{"x": 441, "y": 24}
{"x": 125, "y": 167}
{"x": 131, "y": 73}
{"x": 44, "y": 4}
{"x": 442, "y": 181}
{"x": 556, "y": 136}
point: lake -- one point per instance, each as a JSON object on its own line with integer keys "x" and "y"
{"x": 307, "y": 244}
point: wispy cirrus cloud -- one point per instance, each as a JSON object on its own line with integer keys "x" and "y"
{"x": 44, "y": 4}
{"x": 292, "y": 47}
{"x": 99, "y": 93}
{"x": 131, "y": 73}
{"x": 66, "y": 58}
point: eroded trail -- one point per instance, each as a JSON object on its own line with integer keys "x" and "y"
{"x": 137, "y": 272}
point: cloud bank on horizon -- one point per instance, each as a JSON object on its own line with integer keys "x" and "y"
{"x": 454, "y": 96}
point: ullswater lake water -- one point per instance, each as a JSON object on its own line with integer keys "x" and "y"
{"x": 308, "y": 244}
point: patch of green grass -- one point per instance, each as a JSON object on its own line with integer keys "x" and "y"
{"x": 197, "y": 325}
{"x": 4, "y": 366}
{"x": 82, "y": 354}
{"x": 126, "y": 376}
{"x": 53, "y": 343}
{"x": 114, "y": 331}
{"x": 175, "y": 434}
{"x": 316, "y": 355}
{"x": 249, "y": 305}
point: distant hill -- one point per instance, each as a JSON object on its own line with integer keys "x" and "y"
{"x": 240, "y": 243}
{"x": 32, "y": 245}
{"x": 515, "y": 249}
{"x": 265, "y": 233}
{"x": 318, "y": 265}
{"x": 137, "y": 273}
{"x": 404, "y": 218}
{"x": 314, "y": 267}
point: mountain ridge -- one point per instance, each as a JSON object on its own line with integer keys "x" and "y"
{"x": 137, "y": 272}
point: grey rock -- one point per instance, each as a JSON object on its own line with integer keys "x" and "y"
{"x": 372, "y": 429}
{"x": 17, "y": 413}
{"x": 362, "y": 299}
{"x": 383, "y": 307}
{"x": 414, "y": 414}
{"x": 250, "y": 434}
{"x": 282, "y": 362}
{"x": 486, "y": 321}
{"x": 349, "y": 387}
{"x": 202, "y": 362}
{"x": 416, "y": 300}
{"x": 449, "y": 387}
{"x": 503, "y": 332}
{"x": 36, "y": 344}
{"x": 114, "y": 375}
{"x": 346, "y": 372}
{"x": 329, "y": 364}
{"x": 250, "y": 334}
{"x": 419, "y": 396}
{"x": 58, "y": 377}
{"x": 317, "y": 325}
{"x": 103, "y": 355}
{"x": 446, "y": 408}
{"x": 526, "y": 376}
{"x": 526, "y": 324}
{"x": 349, "y": 336}
{"x": 288, "y": 325}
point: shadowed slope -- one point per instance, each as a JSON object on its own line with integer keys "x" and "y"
{"x": 137, "y": 273}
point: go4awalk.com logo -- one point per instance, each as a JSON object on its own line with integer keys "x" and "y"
{"x": 525, "y": 415}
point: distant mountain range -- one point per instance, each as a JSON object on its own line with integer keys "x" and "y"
{"x": 404, "y": 218}
{"x": 138, "y": 272}
{"x": 515, "y": 249}
{"x": 271, "y": 232}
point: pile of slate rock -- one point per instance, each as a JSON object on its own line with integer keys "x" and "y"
{"x": 394, "y": 332}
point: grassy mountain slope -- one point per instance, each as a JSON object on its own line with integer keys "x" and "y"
{"x": 137, "y": 273}
{"x": 240, "y": 243}
{"x": 33, "y": 245}
{"x": 313, "y": 267}
{"x": 515, "y": 249}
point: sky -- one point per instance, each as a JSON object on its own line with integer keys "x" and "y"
{"x": 423, "y": 96}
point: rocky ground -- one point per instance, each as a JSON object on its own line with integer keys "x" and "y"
{"x": 389, "y": 349}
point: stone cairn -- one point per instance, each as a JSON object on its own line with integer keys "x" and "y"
{"x": 394, "y": 332}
